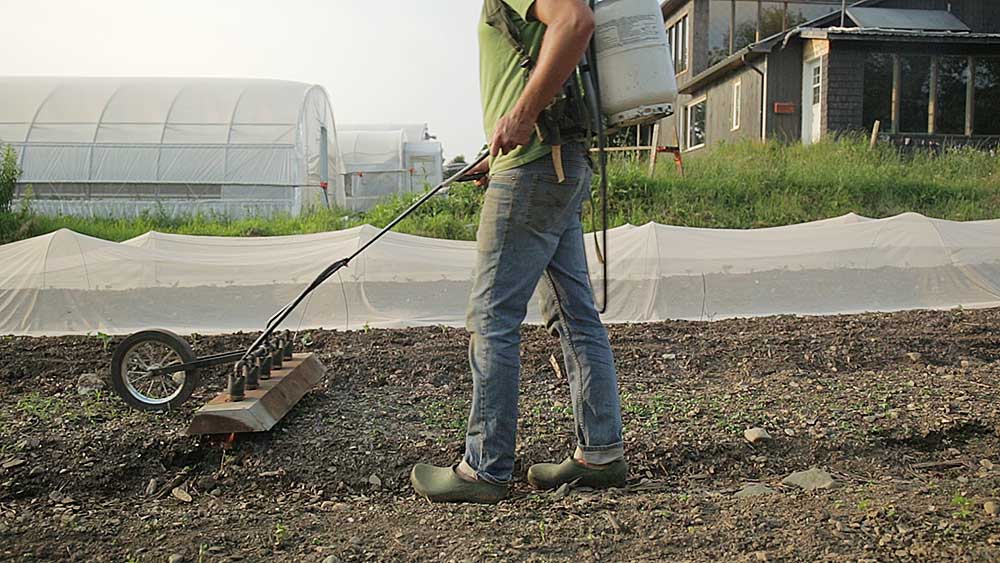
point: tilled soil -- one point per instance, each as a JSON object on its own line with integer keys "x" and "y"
{"x": 902, "y": 410}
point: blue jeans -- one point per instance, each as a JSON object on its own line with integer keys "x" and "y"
{"x": 530, "y": 235}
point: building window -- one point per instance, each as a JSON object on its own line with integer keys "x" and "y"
{"x": 737, "y": 103}
{"x": 695, "y": 115}
{"x": 817, "y": 84}
{"x": 878, "y": 91}
{"x": 987, "y": 96}
{"x": 677, "y": 35}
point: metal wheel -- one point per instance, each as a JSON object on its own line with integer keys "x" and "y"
{"x": 142, "y": 352}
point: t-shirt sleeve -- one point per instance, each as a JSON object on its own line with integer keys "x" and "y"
{"x": 522, "y": 7}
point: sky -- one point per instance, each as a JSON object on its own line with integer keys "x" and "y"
{"x": 380, "y": 60}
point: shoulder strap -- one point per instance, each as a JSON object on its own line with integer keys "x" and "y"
{"x": 498, "y": 15}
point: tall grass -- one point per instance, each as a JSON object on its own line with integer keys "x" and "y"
{"x": 739, "y": 185}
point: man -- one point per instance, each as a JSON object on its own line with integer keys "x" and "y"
{"x": 530, "y": 235}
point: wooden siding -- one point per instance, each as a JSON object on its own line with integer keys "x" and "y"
{"x": 785, "y": 85}
{"x": 719, "y": 109}
{"x": 979, "y": 15}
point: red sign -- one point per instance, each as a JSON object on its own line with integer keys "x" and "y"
{"x": 784, "y": 107}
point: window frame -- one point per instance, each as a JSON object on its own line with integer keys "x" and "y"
{"x": 678, "y": 37}
{"x": 817, "y": 85}
{"x": 737, "y": 104}
{"x": 687, "y": 123}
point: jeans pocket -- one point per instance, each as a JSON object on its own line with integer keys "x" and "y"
{"x": 549, "y": 202}
{"x": 494, "y": 218}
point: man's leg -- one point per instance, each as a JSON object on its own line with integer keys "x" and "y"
{"x": 569, "y": 312}
{"x": 520, "y": 228}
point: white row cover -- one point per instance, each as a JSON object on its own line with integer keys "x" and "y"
{"x": 66, "y": 283}
{"x": 169, "y": 131}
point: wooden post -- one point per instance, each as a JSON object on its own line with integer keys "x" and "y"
{"x": 932, "y": 102}
{"x": 654, "y": 141}
{"x": 760, "y": 17}
{"x": 875, "y": 130}
{"x": 784, "y": 17}
{"x": 970, "y": 99}
{"x": 732, "y": 27}
{"x": 897, "y": 92}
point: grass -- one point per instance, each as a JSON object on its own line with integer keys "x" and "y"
{"x": 739, "y": 185}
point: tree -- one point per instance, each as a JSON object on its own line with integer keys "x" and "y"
{"x": 10, "y": 173}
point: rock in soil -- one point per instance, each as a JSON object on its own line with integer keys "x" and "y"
{"x": 89, "y": 383}
{"x": 756, "y": 435}
{"x": 810, "y": 480}
{"x": 175, "y": 558}
{"x": 991, "y": 508}
{"x": 754, "y": 490}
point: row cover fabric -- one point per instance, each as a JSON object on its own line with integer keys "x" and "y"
{"x": 158, "y": 131}
{"x": 66, "y": 283}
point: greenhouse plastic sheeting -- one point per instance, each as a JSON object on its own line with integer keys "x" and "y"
{"x": 65, "y": 283}
{"x": 161, "y": 131}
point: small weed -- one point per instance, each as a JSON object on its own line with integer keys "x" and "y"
{"x": 865, "y": 504}
{"x": 541, "y": 531}
{"x": 964, "y": 506}
{"x": 280, "y": 534}
{"x": 105, "y": 340}
{"x": 39, "y": 406}
{"x": 306, "y": 339}
{"x": 202, "y": 552}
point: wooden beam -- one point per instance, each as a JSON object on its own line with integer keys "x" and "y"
{"x": 897, "y": 92}
{"x": 932, "y": 102}
{"x": 970, "y": 99}
{"x": 760, "y": 18}
{"x": 732, "y": 27}
{"x": 653, "y": 150}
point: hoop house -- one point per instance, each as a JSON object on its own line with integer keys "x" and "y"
{"x": 121, "y": 145}
{"x": 376, "y": 166}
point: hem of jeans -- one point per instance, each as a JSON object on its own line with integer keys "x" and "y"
{"x": 600, "y": 455}
{"x": 487, "y": 477}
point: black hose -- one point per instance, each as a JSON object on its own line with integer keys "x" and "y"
{"x": 602, "y": 162}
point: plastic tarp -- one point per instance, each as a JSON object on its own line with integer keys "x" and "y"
{"x": 376, "y": 166}
{"x": 161, "y": 131}
{"x": 66, "y": 283}
{"x": 423, "y": 157}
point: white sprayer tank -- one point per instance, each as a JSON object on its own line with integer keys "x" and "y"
{"x": 634, "y": 62}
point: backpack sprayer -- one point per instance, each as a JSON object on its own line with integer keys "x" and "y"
{"x": 632, "y": 83}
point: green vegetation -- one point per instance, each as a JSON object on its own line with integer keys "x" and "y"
{"x": 739, "y": 185}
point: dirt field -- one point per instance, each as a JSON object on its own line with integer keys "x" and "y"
{"x": 902, "y": 410}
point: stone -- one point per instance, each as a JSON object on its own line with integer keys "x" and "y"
{"x": 914, "y": 357}
{"x": 151, "y": 487}
{"x": 562, "y": 492}
{"x": 375, "y": 481}
{"x": 89, "y": 383}
{"x": 756, "y": 435}
{"x": 811, "y": 479}
{"x": 175, "y": 558}
{"x": 12, "y": 463}
{"x": 181, "y": 495}
{"x": 991, "y": 508}
{"x": 986, "y": 464}
{"x": 331, "y": 559}
{"x": 754, "y": 490}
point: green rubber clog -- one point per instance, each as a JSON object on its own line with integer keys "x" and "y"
{"x": 548, "y": 476}
{"x": 442, "y": 484}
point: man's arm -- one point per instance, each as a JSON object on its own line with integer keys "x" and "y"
{"x": 569, "y": 23}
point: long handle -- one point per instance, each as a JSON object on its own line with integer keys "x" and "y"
{"x": 275, "y": 321}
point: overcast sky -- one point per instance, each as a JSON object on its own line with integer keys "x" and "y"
{"x": 380, "y": 60}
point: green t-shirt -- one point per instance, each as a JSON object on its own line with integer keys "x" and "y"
{"x": 502, "y": 80}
